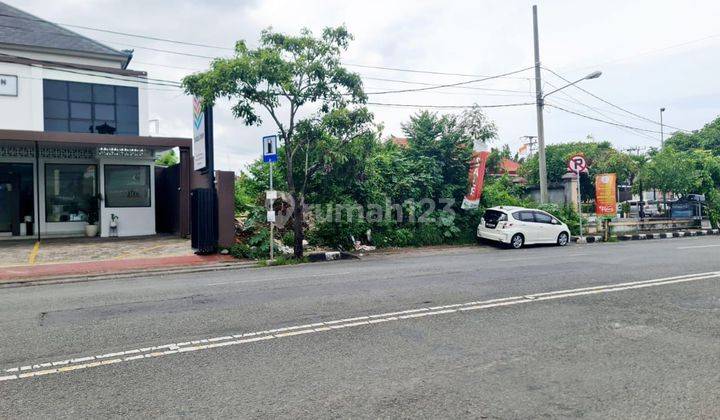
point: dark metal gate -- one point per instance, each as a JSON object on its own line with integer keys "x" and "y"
{"x": 167, "y": 199}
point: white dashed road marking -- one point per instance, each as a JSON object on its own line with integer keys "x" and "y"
{"x": 29, "y": 371}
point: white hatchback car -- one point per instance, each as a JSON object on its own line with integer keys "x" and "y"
{"x": 518, "y": 226}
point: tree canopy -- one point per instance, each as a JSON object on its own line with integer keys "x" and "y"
{"x": 291, "y": 72}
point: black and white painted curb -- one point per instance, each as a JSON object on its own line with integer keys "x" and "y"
{"x": 331, "y": 256}
{"x": 680, "y": 234}
{"x": 643, "y": 236}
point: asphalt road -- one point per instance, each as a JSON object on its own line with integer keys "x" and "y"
{"x": 474, "y": 332}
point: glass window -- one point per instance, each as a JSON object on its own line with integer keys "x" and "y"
{"x": 69, "y": 192}
{"x": 81, "y": 92}
{"x": 54, "y": 89}
{"x": 81, "y": 126}
{"x": 129, "y": 129}
{"x": 56, "y": 125}
{"x": 542, "y": 217}
{"x": 104, "y": 94}
{"x": 127, "y": 186}
{"x": 127, "y": 113}
{"x": 88, "y": 107}
{"x": 80, "y": 110}
{"x": 105, "y": 127}
{"x": 104, "y": 112}
{"x": 55, "y": 109}
{"x": 127, "y": 95}
{"x": 524, "y": 216}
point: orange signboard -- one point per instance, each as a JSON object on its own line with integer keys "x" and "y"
{"x": 605, "y": 198}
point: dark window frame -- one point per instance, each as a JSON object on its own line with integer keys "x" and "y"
{"x": 45, "y": 174}
{"x": 93, "y": 128}
{"x": 150, "y": 186}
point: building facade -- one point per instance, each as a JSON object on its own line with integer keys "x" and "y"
{"x": 74, "y": 144}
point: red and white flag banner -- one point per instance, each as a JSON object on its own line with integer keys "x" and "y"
{"x": 476, "y": 176}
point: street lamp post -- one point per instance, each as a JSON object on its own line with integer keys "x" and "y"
{"x": 540, "y": 102}
{"x": 662, "y": 134}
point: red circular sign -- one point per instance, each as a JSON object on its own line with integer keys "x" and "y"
{"x": 577, "y": 164}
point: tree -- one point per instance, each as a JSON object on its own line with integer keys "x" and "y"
{"x": 290, "y": 71}
{"x": 168, "y": 158}
{"x": 707, "y": 138}
{"x": 669, "y": 171}
{"x": 601, "y": 158}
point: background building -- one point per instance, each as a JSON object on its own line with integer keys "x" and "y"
{"x": 73, "y": 127}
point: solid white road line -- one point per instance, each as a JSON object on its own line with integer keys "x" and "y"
{"x": 29, "y": 371}
{"x": 698, "y": 246}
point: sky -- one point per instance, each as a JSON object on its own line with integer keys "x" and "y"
{"x": 652, "y": 54}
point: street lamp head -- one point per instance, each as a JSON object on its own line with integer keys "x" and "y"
{"x": 662, "y": 109}
{"x": 593, "y": 75}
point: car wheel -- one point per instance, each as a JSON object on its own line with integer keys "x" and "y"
{"x": 563, "y": 239}
{"x": 517, "y": 241}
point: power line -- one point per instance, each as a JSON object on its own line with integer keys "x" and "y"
{"x": 50, "y": 65}
{"x": 651, "y": 51}
{"x": 601, "y": 120}
{"x": 90, "y": 28}
{"x": 193, "y": 44}
{"x": 450, "y": 106}
{"x": 437, "y": 84}
{"x": 612, "y": 104}
{"x": 422, "y": 71}
{"x": 451, "y": 84}
{"x": 574, "y": 100}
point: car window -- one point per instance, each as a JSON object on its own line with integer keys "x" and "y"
{"x": 494, "y": 216}
{"x": 524, "y": 216}
{"x": 542, "y": 217}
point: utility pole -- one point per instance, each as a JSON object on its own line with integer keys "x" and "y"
{"x": 539, "y": 105}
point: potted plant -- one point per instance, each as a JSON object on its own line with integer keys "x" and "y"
{"x": 93, "y": 215}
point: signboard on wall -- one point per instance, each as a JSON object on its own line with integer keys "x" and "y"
{"x": 605, "y": 199}
{"x": 199, "y": 141}
{"x": 8, "y": 85}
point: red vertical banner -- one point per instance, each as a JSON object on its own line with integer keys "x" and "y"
{"x": 605, "y": 198}
{"x": 476, "y": 179}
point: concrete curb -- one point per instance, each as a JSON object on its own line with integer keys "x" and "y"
{"x": 646, "y": 236}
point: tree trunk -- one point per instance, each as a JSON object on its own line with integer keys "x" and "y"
{"x": 298, "y": 225}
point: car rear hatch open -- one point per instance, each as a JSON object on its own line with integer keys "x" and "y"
{"x": 492, "y": 218}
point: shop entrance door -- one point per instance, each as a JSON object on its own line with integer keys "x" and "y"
{"x": 16, "y": 198}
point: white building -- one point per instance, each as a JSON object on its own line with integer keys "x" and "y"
{"x": 73, "y": 132}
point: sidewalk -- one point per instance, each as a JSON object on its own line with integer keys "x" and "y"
{"x": 110, "y": 267}
{"x": 78, "y": 258}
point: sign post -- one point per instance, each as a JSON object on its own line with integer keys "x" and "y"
{"x": 577, "y": 165}
{"x": 269, "y": 146}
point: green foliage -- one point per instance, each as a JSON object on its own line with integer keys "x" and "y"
{"x": 601, "y": 158}
{"x": 168, "y": 158}
{"x": 566, "y": 214}
{"x": 707, "y": 138}
{"x": 291, "y": 71}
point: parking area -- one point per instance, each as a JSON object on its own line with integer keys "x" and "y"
{"x": 69, "y": 250}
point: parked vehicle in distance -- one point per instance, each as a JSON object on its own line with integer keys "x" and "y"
{"x": 650, "y": 206}
{"x": 519, "y": 226}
